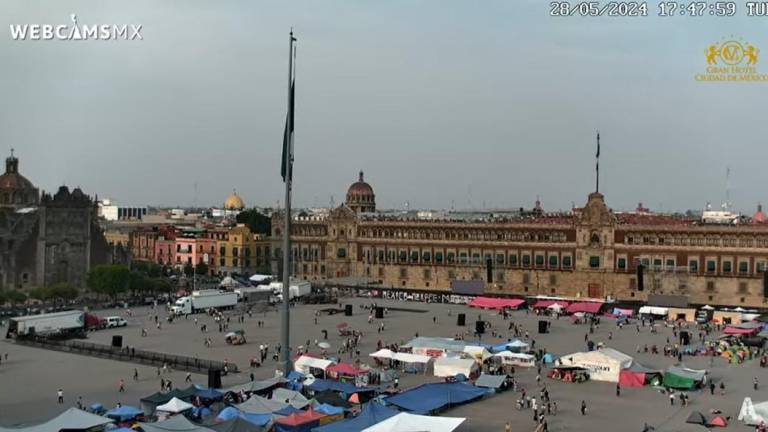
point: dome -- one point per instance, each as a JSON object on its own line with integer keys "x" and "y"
{"x": 15, "y": 189}
{"x": 234, "y": 202}
{"x": 360, "y": 187}
{"x": 360, "y": 196}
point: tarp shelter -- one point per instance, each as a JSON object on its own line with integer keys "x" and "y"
{"x": 548, "y": 358}
{"x": 638, "y": 376}
{"x": 683, "y": 378}
{"x": 696, "y": 418}
{"x": 603, "y": 365}
{"x": 495, "y": 303}
{"x": 175, "y": 406}
{"x": 230, "y": 413}
{"x": 124, "y": 413}
{"x": 490, "y": 381}
{"x": 174, "y": 424}
{"x": 655, "y": 311}
{"x": 432, "y": 397}
{"x": 260, "y": 405}
{"x": 328, "y": 410}
{"x": 345, "y": 369}
{"x": 516, "y": 359}
{"x": 435, "y": 346}
{"x": 753, "y": 413}
{"x": 330, "y": 397}
{"x": 623, "y": 312}
{"x": 739, "y": 331}
{"x": 298, "y": 422}
{"x": 319, "y": 385}
{"x": 542, "y": 304}
{"x": 210, "y": 394}
{"x": 382, "y": 354}
{"x": 71, "y": 419}
{"x": 448, "y": 367}
{"x": 479, "y": 353}
{"x": 405, "y": 422}
{"x": 237, "y": 424}
{"x": 718, "y": 421}
{"x": 257, "y": 386}
{"x": 411, "y": 358}
{"x": 305, "y": 364}
{"x": 295, "y": 399}
{"x": 371, "y": 414}
{"x": 585, "y": 307}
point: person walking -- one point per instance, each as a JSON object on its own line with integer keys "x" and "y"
{"x": 618, "y": 390}
{"x": 60, "y": 396}
{"x": 135, "y": 374}
{"x": 508, "y": 427}
{"x": 583, "y": 408}
{"x": 121, "y": 386}
{"x": 188, "y": 377}
{"x": 711, "y": 387}
{"x": 722, "y": 388}
{"x": 671, "y": 398}
{"x": 755, "y": 383}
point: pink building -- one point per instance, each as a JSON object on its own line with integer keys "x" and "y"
{"x": 194, "y": 247}
{"x": 165, "y": 248}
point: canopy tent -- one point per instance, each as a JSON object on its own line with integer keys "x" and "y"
{"x": 495, "y": 303}
{"x": 739, "y": 331}
{"x": 256, "y": 386}
{"x": 542, "y": 304}
{"x": 124, "y": 413}
{"x": 425, "y": 345}
{"x": 517, "y": 346}
{"x": 603, "y": 365}
{"x": 330, "y": 397}
{"x": 516, "y": 359}
{"x": 432, "y": 397}
{"x": 237, "y": 424}
{"x": 753, "y": 413}
{"x": 750, "y": 325}
{"x": 653, "y": 310}
{"x": 177, "y": 423}
{"x": 405, "y": 422}
{"x": 299, "y": 421}
{"x": 683, "y": 378}
{"x": 448, "y": 367}
{"x": 71, "y": 419}
{"x": 697, "y": 418}
{"x": 623, "y": 312}
{"x": 382, "y": 354}
{"x": 259, "y": 278}
{"x": 411, "y": 358}
{"x": 260, "y": 405}
{"x": 585, "y": 307}
{"x": 175, "y": 406}
{"x": 707, "y": 307}
{"x": 229, "y": 282}
{"x": 328, "y": 410}
{"x": 319, "y": 385}
{"x": 555, "y": 307}
{"x": 210, "y": 394}
{"x": 637, "y": 375}
{"x": 490, "y": 381}
{"x": 293, "y": 398}
{"x": 304, "y": 364}
{"x": 345, "y": 369}
{"x": 371, "y": 414}
{"x": 230, "y": 413}
{"x": 479, "y": 353}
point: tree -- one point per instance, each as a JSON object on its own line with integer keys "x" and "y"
{"x": 14, "y": 296}
{"x": 138, "y": 282}
{"x": 61, "y": 291}
{"x": 38, "y": 293}
{"x": 258, "y": 222}
{"x": 201, "y": 269}
{"x": 188, "y": 269}
{"x": 155, "y": 270}
{"x": 161, "y": 285}
{"x": 109, "y": 279}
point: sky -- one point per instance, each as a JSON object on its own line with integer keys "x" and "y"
{"x": 443, "y": 103}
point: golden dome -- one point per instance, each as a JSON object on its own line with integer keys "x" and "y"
{"x": 234, "y": 202}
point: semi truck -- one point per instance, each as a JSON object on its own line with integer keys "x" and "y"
{"x": 203, "y": 300}
{"x": 253, "y": 294}
{"x": 57, "y": 324}
{"x": 296, "y": 289}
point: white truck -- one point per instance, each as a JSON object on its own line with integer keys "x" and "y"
{"x": 203, "y": 300}
{"x": 68, "y": 323}
{"x": 296, "y": 289}
{"x": 252, "y": 294}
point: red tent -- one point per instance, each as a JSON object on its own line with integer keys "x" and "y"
{"x": 345, "y": 369}
{"x": 628, "y": 378}
{"x": 299, "y": 418}
{"x": 718, "y": 421}
{"x": 738, "y": 331}
{"x": 342, "y": 325}
{"x": 495, "y": 303}
{"x": 586, "y": 307}
{"x": 541, "y": 304}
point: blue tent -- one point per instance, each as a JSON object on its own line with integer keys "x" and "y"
{"x": 371, "y": 414}
{"x": 122, "y": 429}
{"x": 124, "y": 413}
{"x": 548, "y": 358}
{"x": 294, "y": 376}
{"x": 322, "y": 384}
{"x": 210, "y": 394}
{"x": 328, "y": 409}
{"x": 431, "y": 397}
{"x": 230, "y": 413}
{"x": 288, "y": 410}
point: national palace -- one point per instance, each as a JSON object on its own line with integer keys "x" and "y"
{"x": 590, "y": 252}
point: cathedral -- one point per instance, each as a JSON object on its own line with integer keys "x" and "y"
{"x": 46, "y": 239}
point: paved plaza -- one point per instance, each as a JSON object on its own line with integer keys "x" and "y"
{"x": 30, "y": 377}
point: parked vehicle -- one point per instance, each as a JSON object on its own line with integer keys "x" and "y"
{"x": 203, "y": 300}
{"x": 115, "y": 321}
{"x": 93, "y": 322}
{"x": 68, "y": 323}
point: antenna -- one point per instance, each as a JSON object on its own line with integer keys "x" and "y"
{"x": 194, "y": 194}
{"x": 727, "y": 187}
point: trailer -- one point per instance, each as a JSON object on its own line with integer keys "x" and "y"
{"x": 203, "y": 300}
{"x": 296, "y": 289}
{"x": 253, "y": 294}
{"x": 57, "y": 324}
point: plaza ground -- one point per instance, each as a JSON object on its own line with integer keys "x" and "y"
{"x": 30, "y": 377}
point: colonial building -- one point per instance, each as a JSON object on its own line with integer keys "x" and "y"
{"x": 591, "y": 252}
{"x": 46, "y": 239}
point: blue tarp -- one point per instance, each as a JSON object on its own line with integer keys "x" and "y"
{"x": 210, "y": 394}
{"x": 288, "y": 410}
{"x": 431, "y": 397}
{"x": 229, "y": 413}
{"x": 323, "y": 384}
{"x": 124, "y": 413}
{"x": 328, "y": 409}
{"x": 548, "y": 358}
{"x": 372, "y": 413}
{"x": 294, "y": 376}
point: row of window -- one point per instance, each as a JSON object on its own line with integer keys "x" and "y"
{"x": 711, "y": 265}
{"x": 696, "y": 240}
{"x": 465, "y": 234}
{"x": 511, "y": 259}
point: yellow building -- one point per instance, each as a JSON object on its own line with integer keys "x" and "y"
{"x": 240, "y": 251}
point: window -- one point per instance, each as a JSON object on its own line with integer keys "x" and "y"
{"x": 500, "y": 259}
{"x": 567, "y": 261}
{"x": 381, "y": 272}
{"x": 513, "y": 260}
{"x": 450, "y": 257}
{"x": 234, "y": 262}
{"x": 526, "y": 279}
{"x": 594, "y": 261}
{"x": 427, "y": 274}
{"x": 526, "y": 260}
{"x": 743, "y": 288}
{"x": 414, "y": 256}
{"x": 710, "y": 286}
{"x": 553, "y": 261}
{"x": 670, "y": 264}
{"x": 234, "y": 251}
{"x": 462, "y": 258}
{"x": 539, "y": 260}
{"x": 726, "y": 266}
{"x": 743, "y": 267}
{"x": 760, "y": 266}
{"x": 402, "y": 256}
{"x": 553, "y": 279}
{"x": 645, "y": 262}
{"x": 426, "y": 256}
{"x": 222, "y": 262}
{"x": 657, "y": 264}
{"x": 341, "y": 253}
{"x": 403, "y": 273}
{"x": 711, "y": 266}
{"x": 621, "y": 264}
{"x": 475, "y": 258}
{"x": 693, "y": 266}
{"x": 438, "y": 257}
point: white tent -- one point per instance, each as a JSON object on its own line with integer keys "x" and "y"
{"x": 555, "y": 307}
{"x": 304, "y": 363}
{"x": 175, "y": 406}
{"x": 603, "y": 365}
{"x": 72, "y": 418}
{"x": 516, "y": 359}
{"x": 411, "y": 358}
{"x": 405, "y": 422}
{"x": 653, "y": 310}
{"x": 517, "y": 345}
{"x": 448, "y": 367}
{"x": 259, "y": 278}
{"x": 229, "y": 282}
{"x": 752, "y": 414}
{"x": 479, "y": 353}
{"x": 382, "y": 354}
{"x": 707, "y": 307}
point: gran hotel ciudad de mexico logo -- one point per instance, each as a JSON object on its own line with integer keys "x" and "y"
{"x": 731, "y": 59}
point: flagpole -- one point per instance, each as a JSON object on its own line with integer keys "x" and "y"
{"x": 285, "y": 324}
{"x": 597, "y": 165}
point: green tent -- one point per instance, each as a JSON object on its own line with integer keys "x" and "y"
{"x": 683, "y": 378}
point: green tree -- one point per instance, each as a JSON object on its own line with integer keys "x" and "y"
{"x": 15, "y": 296}
{"x": 110, "y": 279}
{"x": 138, "y": 282}
{"x": 258, "y": 222}
{"x": 201, "y": 269}
{"x": 155, "y": 270}
{"x": 38, "y": 293}
{"x": 188, "y": 269}
{"x": 160, "y": 285}
{"x": 62, "y": 291}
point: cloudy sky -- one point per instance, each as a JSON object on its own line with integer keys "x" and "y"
{"x": 441, "y": 102}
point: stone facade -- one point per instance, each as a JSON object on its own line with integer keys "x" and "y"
{"x": 589, "y": 253}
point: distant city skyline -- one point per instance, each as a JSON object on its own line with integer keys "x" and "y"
{"x": 439, "y": 102}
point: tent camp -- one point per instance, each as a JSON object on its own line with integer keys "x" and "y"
{"x": 330, "y": 397}
{"x": 175, "y": 406}
{"x": 753, "y": 413}
{"x": 305, "y": 364}
{"x": 678, "y": 377}
{"x": 382, "y": 354}
{"x": 371, "y": 414}
{"x": 230, "y": 413}
{"x": 654, "y": 311}
{"x": 697, "y": 418}
{"x": 173, "y": 424}
{"x": 261, "y": 405}
{"x": 293, "y": 398}
{"x": 515, "y": 359}
{"x": 124, "y": 413}
{"x": 237, "y": 424}
{"x": 149, "y": 403}
{"x": 479, "y": 353}
{"x": 299, "y": 421}
{"x": 495, "y": 382}
{"x": 71, "y": 419}
{"x": 448, "y": 367}
{"x": 603, "y": 365}
{"x": 257, "y": 386}
{"x": 495, "y": 303}
{"x": 637, "y": 375}
{"x": 427, "y": 398}
{"x": 584, "y": 307}
{"x": 405, "y": 422}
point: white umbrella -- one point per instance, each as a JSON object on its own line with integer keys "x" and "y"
{"x": 707, "y": 307}
{"x": 324, "y": 345}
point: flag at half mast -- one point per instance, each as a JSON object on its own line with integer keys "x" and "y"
{"x": 288, "y": 138}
